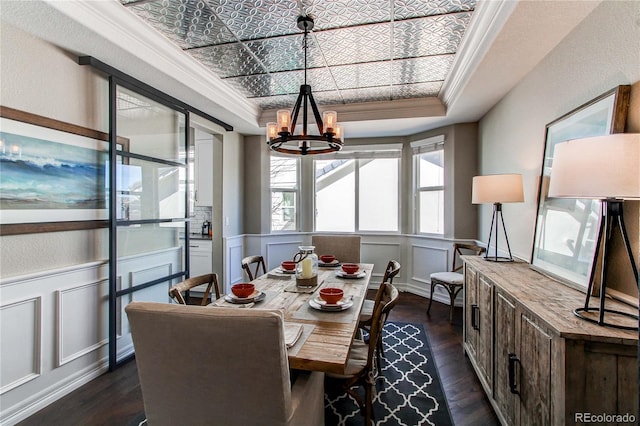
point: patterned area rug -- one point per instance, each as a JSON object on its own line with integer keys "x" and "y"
{"x": 409, "y": 391}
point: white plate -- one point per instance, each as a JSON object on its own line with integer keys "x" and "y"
{"x": 343, "y": 274}
{"x": 333, "y": 264}
{"x": 232, "y": 298}
{"x": 281, "y": 270}
{"x": 321, "y": 305}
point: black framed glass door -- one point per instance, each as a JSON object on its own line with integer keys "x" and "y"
{"x": 149, "y": 183}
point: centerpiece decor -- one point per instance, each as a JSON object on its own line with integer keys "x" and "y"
{"x": 306, "y": 267}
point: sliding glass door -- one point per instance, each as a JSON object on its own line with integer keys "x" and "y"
{"x": 149, "y": 206}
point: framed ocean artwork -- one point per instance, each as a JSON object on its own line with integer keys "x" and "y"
{"x": 53, "y": 175}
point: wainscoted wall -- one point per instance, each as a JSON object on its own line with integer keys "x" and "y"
{"x": 54, "y": 327}
{"x": 418, "y": 255}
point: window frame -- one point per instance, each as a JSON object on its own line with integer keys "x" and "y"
{"x": 359, "y": 154}
{"x": 295, "y": 191}
{"x": 420, "y": 147}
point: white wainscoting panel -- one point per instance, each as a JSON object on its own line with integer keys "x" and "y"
{"x": 157, "y": 293}
{"x": 21, "y": 337}
{"x": 139, "y": 269}
{"x": 45, "y": 360}
{"x": 234, "y": 252}
{"x": 427, "y": 260}
{"x": 81, "y": 320}
{"x": 278, "y": 251}
{"x": 380, "y": 253}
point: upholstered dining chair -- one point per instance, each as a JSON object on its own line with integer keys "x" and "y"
{"x": 453, "y": 281}
{"x": 176, "y": 292}
{"x": 221, "y": 366}
{"x": 360, "y": 363}
{"x": 255, "y": 262}
{"x": 346, "y": 248}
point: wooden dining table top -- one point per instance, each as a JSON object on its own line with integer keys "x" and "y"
{"x": 327, "y": 336}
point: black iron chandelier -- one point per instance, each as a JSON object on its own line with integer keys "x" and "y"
{"x": 280, "y": 135}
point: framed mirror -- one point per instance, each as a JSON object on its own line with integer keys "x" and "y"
{"x": 566, "y": 229}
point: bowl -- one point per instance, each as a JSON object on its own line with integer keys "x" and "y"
{"x": 243, "y": 290}
{"x": 331, "y": 295}
{"x": 327, "y": 258}
{"x": 350, "y": 268}
{"x": 288, "y": 265}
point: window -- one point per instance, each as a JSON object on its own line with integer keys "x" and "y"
{"x": 284, "y": 193}
{"x": 358, "y": 190}
{"x": 429, "y": 178}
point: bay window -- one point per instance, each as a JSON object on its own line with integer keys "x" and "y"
{"x": 429, "y": 185}
{"x": 284, "y": 174}
{"x": 357, "y": 190}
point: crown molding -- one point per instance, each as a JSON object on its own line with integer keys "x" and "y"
{"x": 486, "y": 23}
{"x": 365, "y": 111}
{"x": 106, "y": 31}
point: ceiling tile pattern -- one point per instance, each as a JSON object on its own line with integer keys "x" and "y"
{"x": 358, "y": 50}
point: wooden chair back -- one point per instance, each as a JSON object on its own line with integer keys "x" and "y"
{"x": 255, "y": 262}
{"x": 388, "y": 297}
{"x": 460, "y": 249}
{"x": 176, "y": 292}
{"x": 393, "y": 268}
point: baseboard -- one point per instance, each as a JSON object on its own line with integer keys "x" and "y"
{"x": 424, "y": 291}
{"x": 51, "y": 394}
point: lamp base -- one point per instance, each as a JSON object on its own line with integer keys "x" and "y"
{"x": 583, "y": 312}
{"x": 498, "y": 259}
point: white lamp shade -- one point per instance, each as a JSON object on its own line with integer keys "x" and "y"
{"x": 497, "y": 189}
{"x": 597, "y": 167}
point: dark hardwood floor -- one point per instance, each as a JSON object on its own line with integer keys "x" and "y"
{"x": 115, "y": 398}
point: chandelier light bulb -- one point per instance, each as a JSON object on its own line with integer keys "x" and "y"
{"x": 284, "y": 118}
{"x": 272, "y": 130}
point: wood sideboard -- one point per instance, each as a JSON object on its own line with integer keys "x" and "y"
{"x": 539, "y": 363}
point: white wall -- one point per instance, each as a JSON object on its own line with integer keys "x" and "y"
{"x": 601, "y": 53}
{"x": 232, "y": 184}
{"x": 41, "y": 79}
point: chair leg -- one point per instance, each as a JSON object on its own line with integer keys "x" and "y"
{"x": 433, "y": 286}
{"x": 452, "y": 298}
{"x": 368, "y": 400}
{"x": 453, "y": 292}
{"x": 379, "y": 354}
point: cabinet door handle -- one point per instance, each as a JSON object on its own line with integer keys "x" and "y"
{"x": 196, "y": 194}
{"x": 513, "y": 359}
{"x": 475, "y": 317}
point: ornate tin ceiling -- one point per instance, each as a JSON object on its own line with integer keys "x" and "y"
{"x": 359, "y": 50}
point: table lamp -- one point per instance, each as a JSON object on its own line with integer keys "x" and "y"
{"x": 606, "y": 168}
{"x": 497, "y": 189}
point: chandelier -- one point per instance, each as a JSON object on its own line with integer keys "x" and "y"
{"x": 280, "y": 135}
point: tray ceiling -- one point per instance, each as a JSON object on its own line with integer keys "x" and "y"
{"x": 359, "y": 50}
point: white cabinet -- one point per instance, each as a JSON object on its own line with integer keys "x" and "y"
{"x": 200, "y": 259}
{"x": 204, "y": 173}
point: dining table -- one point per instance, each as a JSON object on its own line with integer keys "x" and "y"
{"x": 324, "y": 336}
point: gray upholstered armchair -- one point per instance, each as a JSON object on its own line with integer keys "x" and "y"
{"x": 199, "y": 365}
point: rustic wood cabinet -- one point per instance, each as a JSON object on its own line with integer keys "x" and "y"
{"x": 479, "y": 325}
{"x": 538, "y": 363}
